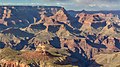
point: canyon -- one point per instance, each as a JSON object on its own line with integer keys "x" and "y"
{"x": 75, "y": 38}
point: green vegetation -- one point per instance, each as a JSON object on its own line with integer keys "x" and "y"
{"x": 53, "y": 57}
{"x": 8, "y": 53}
{"x": 58, "y": 52}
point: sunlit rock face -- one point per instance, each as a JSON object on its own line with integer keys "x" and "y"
{"x": 7, "y": 63}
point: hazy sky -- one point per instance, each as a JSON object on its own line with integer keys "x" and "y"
{"x": 69, "y": 4}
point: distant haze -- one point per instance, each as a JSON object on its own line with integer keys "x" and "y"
{"x": 69, "y": 4}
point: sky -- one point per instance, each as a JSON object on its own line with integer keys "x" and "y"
{"x": 69, "y": 4}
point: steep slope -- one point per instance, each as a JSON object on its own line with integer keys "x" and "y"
{"x": 22, "y": 16}
{"x": 15, "y": 38}
{"x": 107, "y": 60}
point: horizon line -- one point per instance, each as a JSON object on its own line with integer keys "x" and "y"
{"x": 33, "y": 4}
